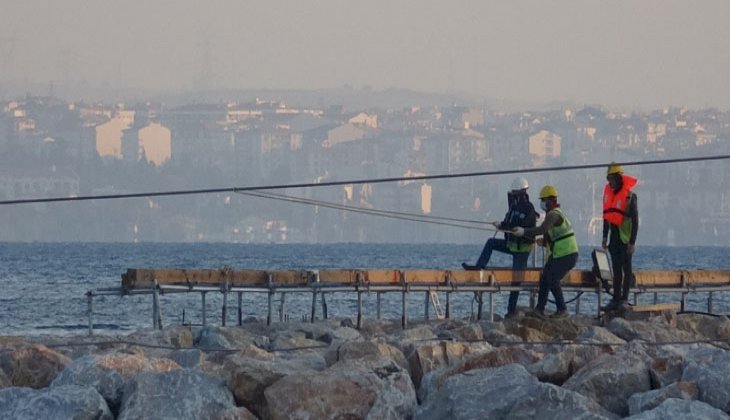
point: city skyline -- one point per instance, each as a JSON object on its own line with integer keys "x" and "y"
{"x": 623, "y": 54}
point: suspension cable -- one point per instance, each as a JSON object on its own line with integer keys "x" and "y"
{"x": 437, "y": 220}
{"x": 356, "y": 181}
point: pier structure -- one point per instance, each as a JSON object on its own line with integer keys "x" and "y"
{"x": 319, "y": 283}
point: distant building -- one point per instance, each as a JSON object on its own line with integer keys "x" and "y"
{"x": 109, "y": 134}
{"x": 153, "y": 143}
{"x": 544, "y": 144}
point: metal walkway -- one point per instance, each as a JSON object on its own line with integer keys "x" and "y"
{"x": 156, "y": 281}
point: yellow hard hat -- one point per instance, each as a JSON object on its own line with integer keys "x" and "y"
{"x": 548, "y": 191}
{"x": 614, "y": 168}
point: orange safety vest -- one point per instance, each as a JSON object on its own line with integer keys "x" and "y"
{"x": 614, "y": 204}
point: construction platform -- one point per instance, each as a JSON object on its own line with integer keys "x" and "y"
{"x": 156, "y": 281}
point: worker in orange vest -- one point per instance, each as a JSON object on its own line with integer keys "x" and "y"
{"x": 620, "y": 227}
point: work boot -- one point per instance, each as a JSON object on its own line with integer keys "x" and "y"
{"x": 562, "y": 313}
{"x": 469, "y": 267}
{"x": 537, "y": 313}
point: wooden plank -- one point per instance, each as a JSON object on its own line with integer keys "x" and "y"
{"x": 381, "y": 276}
{"x": 658, "y": 278}
{"x": 145, "y": 277}
{"x": 708, "y": 277}
{"x": 657, "y": 307}
{"x": 425, "y": 276}
{"x": 348, "y": 277}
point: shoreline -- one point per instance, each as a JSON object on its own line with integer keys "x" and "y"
{"x": 433, "y": 369}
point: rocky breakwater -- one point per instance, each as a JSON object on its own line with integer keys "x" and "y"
{"x": 670, "y": 366}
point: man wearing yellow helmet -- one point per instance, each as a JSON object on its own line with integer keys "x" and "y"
{"x": 621, "y": 221}
{"x": 522, "y": 213}
{"x": 559, "y": 238}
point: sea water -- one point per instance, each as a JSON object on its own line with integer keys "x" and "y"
{"x": 44, "y": 284}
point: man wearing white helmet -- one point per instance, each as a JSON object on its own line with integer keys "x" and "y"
{"x": 521, "y": 213}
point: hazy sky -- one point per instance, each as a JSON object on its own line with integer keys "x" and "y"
{"x": 617, "y": 53}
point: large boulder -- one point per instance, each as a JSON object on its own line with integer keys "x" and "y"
{"x": 109, "y": 373}
{"x": 556, "y": 367}
{"x": 181, "y": 394}
{"x": 479, "y": 394}
{"x": 710, "y": 370}
{"x": 249, "y": 378}
{"x": 502, "y": 356}
{"x": 674, "y": 408}
{"x": 33, "y": 365}
{"x": 655, "y": 330}
{"x": 425, "y": 357}
{"x": 551, "y": 402}
{"x": 359, "y": 388}
{"x": 611, "y": 379}
{"x": 644, "y": 401}
{"x": 358, "y": 349}
{"x": 63, "y": 402}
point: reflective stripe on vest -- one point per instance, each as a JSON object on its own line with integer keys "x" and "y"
{"x": 614, "y": 204}
{"x": 562, "y": 238}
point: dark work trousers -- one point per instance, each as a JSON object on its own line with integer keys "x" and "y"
{"x": 519, "y": 262}
{"x": 622, "y": 270}
{"x": 554, "y": 271}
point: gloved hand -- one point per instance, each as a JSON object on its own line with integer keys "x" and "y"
{"x": 604, "y": 244}
{"x": 518, "y": 231}
{"x": 497, "y": 225}
{"x": 630, "y": 248}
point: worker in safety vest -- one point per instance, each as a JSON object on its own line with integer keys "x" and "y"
{"x": 559, "y": 238}
{"x": 620, "y": 227}
{"x": 522, "y": 213}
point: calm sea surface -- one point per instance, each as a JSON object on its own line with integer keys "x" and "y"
{"x": 44, "y": 284}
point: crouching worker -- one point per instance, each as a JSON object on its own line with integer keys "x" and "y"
{"x": 562, "y": 249}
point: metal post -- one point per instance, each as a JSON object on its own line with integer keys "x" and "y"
{"x": 709, "y": 303}
{"x": 282, "y": 308}
{"x": 325, "y": 315}
{"x": 377, "y": 295}
{"x": 684, "y": 302}
{"x": 224, "y": 310}
{"x": 480, "y": 301}
{"x": 425, "y": 313}
{"x": 491, "y": 298}
{"x": 271, "y": 298}
{"x": 314, "y": 305}
{"x": 202, "y": 297}
{"x": 90, "y": 311}
{"x": 656, "y": 298}
{"x": 240, "y": 308}
{"x": 359, "y": 309}
{"x": 404, "y": 304}
{"x": 156, "y": 306}
{"x": 447, "y": 315}
{"x": 577, "y": 303}
{"x": 599, "y": 298}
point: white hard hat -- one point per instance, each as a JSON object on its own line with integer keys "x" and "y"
{"x": 519, "y": 184}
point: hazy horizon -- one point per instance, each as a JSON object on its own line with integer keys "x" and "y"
{"x": 650, "y": 54}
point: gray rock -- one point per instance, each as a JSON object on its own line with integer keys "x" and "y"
{"x": 109, "y": 373}
{"x": 211, "y": 339}
{"x": 187, "y": 358}
{"x": 479, "y": 394}
{"x": 180, "y": 394}
{"x": 710, "y": 370}
{"x": 502, "y": 356}
{"x": 31, "y": 365}
{"x": 550, "y": 402}
{"x": 611, "y": 379}
{"x": 644, "y": 401}
{"x": 371, "y": 388}
{"x": 63, "y": 402}
{"x": 557, "y": 367}
{"x": 673, "y": 408}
